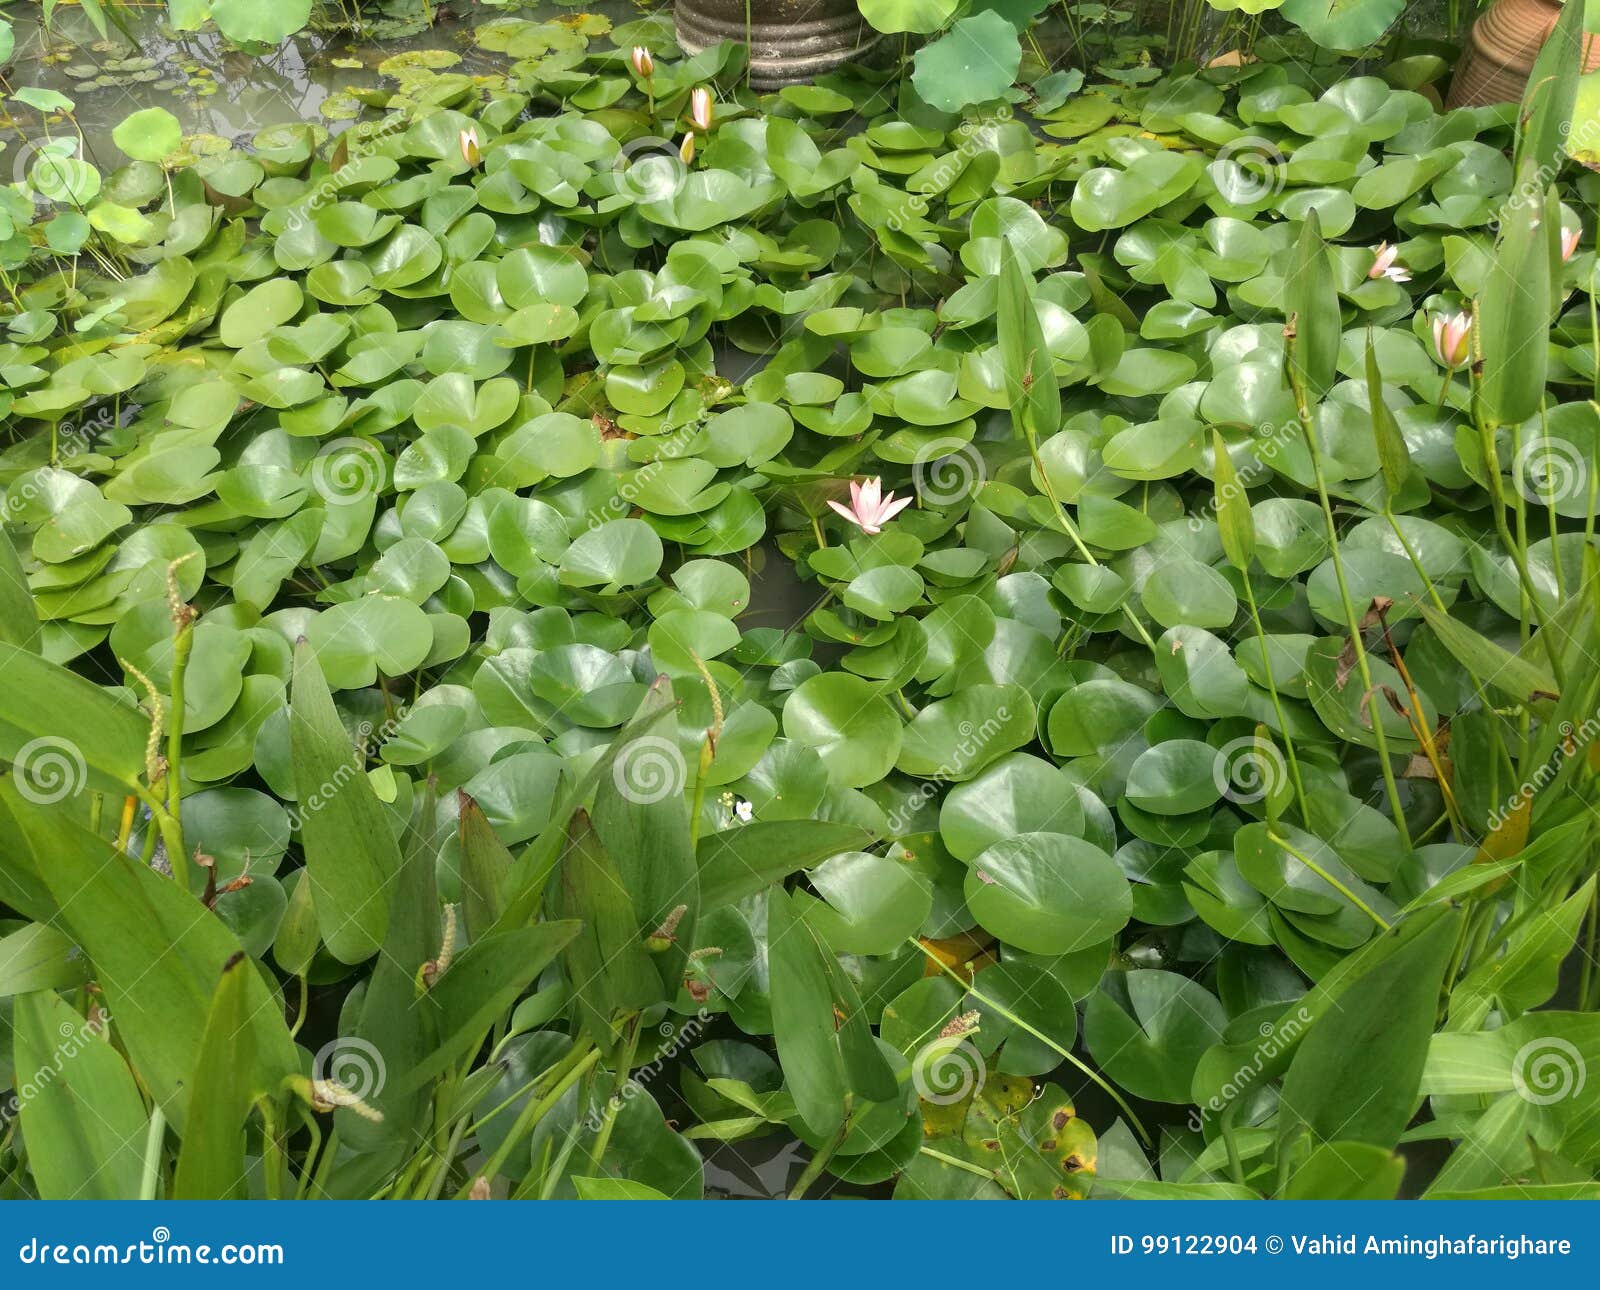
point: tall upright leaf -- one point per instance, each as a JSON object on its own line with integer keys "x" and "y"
{"x": 485, "y": 864}
{"x": 1355, "y": 1077}
{"x": 825, "y": 1046}
{"x": 1311, "y": 303}
{"x": 211, "y": 1160}
{"x": 399, "y": 1025}
{"x": 1515, "y": 304}
{"x": 1235, "y": 524}
{"x": 19, "y": 616}
{"x": 350, "y": 853}
{"x": 1394, "y": 458}
{"x": 1551, "y": 93}
{"x": 81, "y": 1111}
{"x": 647, "y": 833}
{"x": 1031, "y": 387}
{"x": 607, "y": 964}
{"x": 157, "y": 952}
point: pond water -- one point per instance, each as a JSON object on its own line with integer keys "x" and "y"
{"x": 214, "y": 88}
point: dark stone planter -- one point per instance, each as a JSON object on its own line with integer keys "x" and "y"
{"x": 791, "y": 41}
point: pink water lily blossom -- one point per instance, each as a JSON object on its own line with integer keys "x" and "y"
{"x": 643, "y": 63}
{"x": 869, "y": 509}
{"x": 700, "y": 107}
{"x": 1383, "y": 265}
{"x": 1450, "y": 335}
{"x": 1569, "y": 242}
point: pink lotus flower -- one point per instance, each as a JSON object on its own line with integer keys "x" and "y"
{"x": 471, "y": 153}
{"x": 643, "y": 64}
{"x": 700, "y": 107}
{"x": 1383, "y": 265}
{"x": 869, "y": 510}
{"x": 1450, "y": 338}
{"x": 1569, "y": 243}
{"x": 686, "y": 148}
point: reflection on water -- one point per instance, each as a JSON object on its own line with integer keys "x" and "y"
{"x": 213, "y": 88}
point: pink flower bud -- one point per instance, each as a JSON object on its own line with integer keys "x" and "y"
{"x": 700, "y": 107}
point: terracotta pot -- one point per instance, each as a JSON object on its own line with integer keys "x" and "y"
{"x": 791, "y": 41}
{"x": 1500, "y": 51}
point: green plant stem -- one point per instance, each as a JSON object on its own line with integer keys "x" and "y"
{"x": 1277, "y": 703}
{"x": 613, "y": 1107}
{"x": 150, "y": 1176}
{"x": 1001, "y": 1010}
{"x": 1380, "y": 736}
{"x": 274, "y": 1166}
{"x": 819, "y": 1162}
{"x": 1231, "y": 1143}
{"x": 1491, "y": 468}
{"x": 442, "y": 1172}
{"x": 303, "y": 1183}
{"x": 182, "y": 647}
{"x": 1328, "y": 878}
{"x": 955, "y": 1162}
{"x": 576, "y": 1066}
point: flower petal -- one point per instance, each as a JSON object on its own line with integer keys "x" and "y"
{"x": 846, "y": 512}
